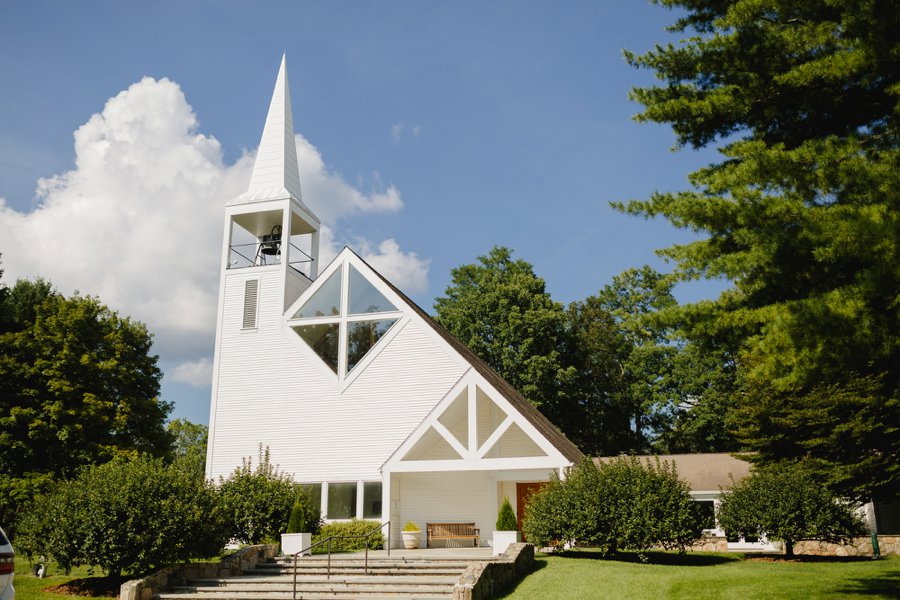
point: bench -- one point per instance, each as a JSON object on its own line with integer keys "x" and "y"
{"x": 451, "y": 531}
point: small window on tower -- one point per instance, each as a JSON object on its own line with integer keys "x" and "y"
{"x": 251, "y": 299}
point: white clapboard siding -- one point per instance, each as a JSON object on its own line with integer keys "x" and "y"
{"x": 295, "y": 284}
{"x": 454, "y": 497}
{"x": 270, "y": 392}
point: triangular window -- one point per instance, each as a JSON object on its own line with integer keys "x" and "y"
{"x": 364, "y": 298}
{"x": 326, "y": 302}
{"x": 344, "y": 320}
{"x": 323, "y": 339}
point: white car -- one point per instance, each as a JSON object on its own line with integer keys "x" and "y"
{"x": 7, "y": 566}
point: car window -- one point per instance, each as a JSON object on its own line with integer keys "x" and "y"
{"x": 3, "y": 540}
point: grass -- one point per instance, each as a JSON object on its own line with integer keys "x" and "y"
{"x": 706, "y": 575}
{"x": 29, "y": 587}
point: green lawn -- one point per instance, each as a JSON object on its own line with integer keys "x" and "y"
{"x": 29, "y": 587}
{"x": 702, "y": 575}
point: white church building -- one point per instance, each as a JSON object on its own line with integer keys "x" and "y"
{"x": 357, "y": 392}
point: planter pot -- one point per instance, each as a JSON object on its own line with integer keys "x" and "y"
{"x": 292, "y": 543}
{"x": 410, "y": 539}
{"x": 502, "y": 539}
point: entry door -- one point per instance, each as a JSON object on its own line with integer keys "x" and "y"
{"x": 523, "y": 493}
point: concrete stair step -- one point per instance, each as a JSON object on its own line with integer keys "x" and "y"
{"x": 356, "y": 595}
{"x": 381, "y": 570}
{"x": 288, "y": 581}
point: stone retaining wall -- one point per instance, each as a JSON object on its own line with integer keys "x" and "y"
{"x": 862, "y": 546}
{"x": 482, "y": 580}
{"x": 230, "y": 566}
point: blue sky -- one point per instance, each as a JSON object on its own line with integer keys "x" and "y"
{"x": 444, "y": 127}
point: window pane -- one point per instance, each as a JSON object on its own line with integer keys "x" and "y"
{"x": 341, "y": 500}
{"x": 372, "y": 500}
{"x": 314, "y": 493}
{"x": 707, "y": 512}
{"x": 326, "y": 302}
{"x": 323, "y": 339}
{"x": 364, "y": 298}
{"x": 361, "y": 336}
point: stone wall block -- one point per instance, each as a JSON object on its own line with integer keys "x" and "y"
{"x": 167, "y": 577}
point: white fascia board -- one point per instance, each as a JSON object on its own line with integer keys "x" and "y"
{"x": 477, "y": 464}
{"x": 529, "y": 429}
{"x": 307, "y": 215}
{"x": 427, "y": 422}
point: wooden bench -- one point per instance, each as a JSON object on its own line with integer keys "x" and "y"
{"x": 451, "y": 531}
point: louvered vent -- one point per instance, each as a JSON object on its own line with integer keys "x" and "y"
{"x": 251, "y": 295}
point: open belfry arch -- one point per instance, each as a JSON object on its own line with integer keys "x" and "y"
{"x": 359, "y": 394}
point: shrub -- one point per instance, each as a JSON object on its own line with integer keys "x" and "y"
{"x": 785, "y": 503}
{"x": 354, "y": 527}
{"x": 410, "y": 526}
{"x": 621, "y": 505}
{"x": 506, "y": 518}
{"x": 305, "y": 517}
{"x": 257, "y": 500}
{"x": 125, "y": 515}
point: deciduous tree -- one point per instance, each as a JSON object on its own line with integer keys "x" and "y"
{"x": 78, "y": 386}
{"x": 785, "y": 503}
{"x": 501, "y": 310}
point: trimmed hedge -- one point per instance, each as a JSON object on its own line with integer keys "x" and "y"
{"x": 345, "y": 528}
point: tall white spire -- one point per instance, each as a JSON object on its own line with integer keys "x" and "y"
{"x": 276, "y": 160}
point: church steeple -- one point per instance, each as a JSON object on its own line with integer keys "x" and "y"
{"x": 268, "y": 224}
{"x": 276, "y": 160}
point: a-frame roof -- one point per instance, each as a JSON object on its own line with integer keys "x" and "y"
{"x": 569, "y": 450}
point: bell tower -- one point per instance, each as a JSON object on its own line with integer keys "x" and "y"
{"x": 270, "y": 253}
{"x": 268, "y": 228}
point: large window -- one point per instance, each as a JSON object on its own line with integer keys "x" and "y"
{"x": 372, "y": 500}
{"x": 344, "y": 319}
{"x": 341, "y": 500}
{"x": 314, "y": 492}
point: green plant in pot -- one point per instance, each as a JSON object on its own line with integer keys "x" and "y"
{"x": 304, "y": 522}
{"x": 411, "y": 534}
{"x": 507, "y": 528}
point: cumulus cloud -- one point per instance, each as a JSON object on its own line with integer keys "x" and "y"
{"x": 196, "y": 373}
{"x": 138, "y": 221}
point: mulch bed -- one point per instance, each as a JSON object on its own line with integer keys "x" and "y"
{"x": 89, "y": 586}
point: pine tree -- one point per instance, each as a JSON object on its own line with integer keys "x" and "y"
{"x": 802, "y": 214}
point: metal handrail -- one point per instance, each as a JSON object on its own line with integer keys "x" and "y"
{"x": 341, "y": 537}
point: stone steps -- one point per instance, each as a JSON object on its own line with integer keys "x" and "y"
{"x": 399, "y": 579}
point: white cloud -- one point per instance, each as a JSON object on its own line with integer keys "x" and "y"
{"x": 138, "y": 221}
{"x": 332, "y": 198}
{"x": 417, "y": 130}
{"x": 396, "y": 132}
{"x": 197, "y": 373}
{"x": 404, "y": 269}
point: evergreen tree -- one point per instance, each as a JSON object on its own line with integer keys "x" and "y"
{"x": 802, "y": 214}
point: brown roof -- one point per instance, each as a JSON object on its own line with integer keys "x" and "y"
{"x": 702, "y": 472}
{"x": 512, "y": 395}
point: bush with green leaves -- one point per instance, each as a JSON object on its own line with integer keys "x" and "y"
{"x": 257, "y": 500}
{"x": 622, "y": 504}
{"x": 354, "y": 527}
{"x": 305, "y": 516}
{"x": 506, "y": 518}
{"x": 783, "y": 502}
{"x": 127, "y": 515}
